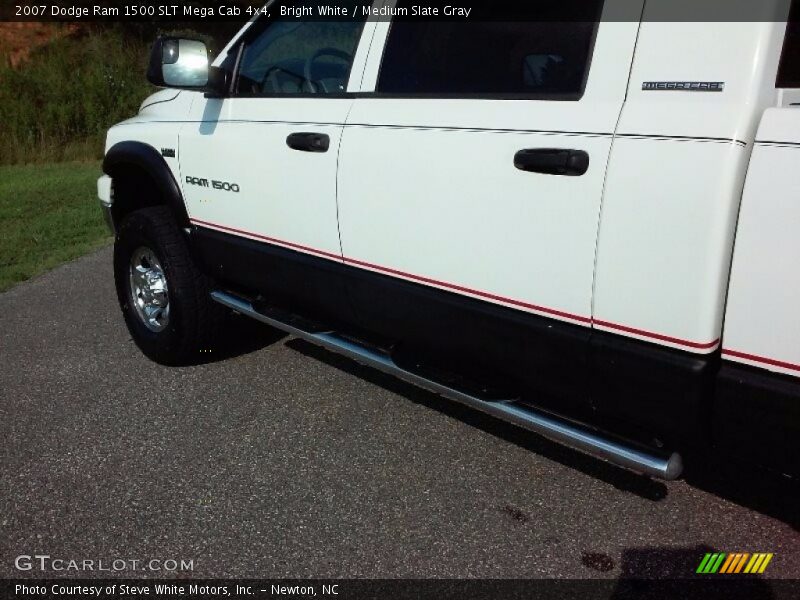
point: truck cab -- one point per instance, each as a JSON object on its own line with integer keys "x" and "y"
{"x": 585, "y": 225}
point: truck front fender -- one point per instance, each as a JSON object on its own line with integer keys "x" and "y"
{"x": 141, "y": 168}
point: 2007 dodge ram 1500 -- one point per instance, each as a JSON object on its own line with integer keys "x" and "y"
{"x": 589, "y": 226}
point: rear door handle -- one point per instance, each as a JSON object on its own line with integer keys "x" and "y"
{"x": 552, "y": 161}
{"x": 309, "y": 142}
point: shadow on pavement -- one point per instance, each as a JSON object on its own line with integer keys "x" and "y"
{"x": 741, "y": 484}
{"x": 751, "y": 487}
{"x": 759, "y": 491}
{"x": 240, "y": 336}
{"x": 624, "y": 480}
{"x": 670, "y": 572}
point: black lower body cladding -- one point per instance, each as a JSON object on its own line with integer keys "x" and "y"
{"x": 756, "y": 418}
{"x": 658, "y": 397}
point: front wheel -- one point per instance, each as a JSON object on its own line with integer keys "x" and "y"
{"x": 164, "y": 297}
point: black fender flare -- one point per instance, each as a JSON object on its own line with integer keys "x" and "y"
{"x": 147, "y": 158}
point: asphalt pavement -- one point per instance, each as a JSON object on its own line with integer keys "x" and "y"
{"x": 277, "y": 459}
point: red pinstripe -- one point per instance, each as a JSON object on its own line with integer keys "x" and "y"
{"x": 762, "y": 359}
{"x": 470, "y": 291}
{"x": 268, "y": 239}
{"x": 463, "y": 289}
{"x": 657, "y": 336}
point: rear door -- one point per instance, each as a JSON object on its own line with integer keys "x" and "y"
{"x": 474, "y": 166}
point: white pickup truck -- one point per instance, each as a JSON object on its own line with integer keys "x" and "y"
{"x": 589, "y": 227}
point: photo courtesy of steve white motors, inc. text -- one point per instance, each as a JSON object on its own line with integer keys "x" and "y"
{"x": 144, "y": 589}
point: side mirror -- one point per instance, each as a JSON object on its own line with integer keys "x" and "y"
{"x": 179, "y": 63}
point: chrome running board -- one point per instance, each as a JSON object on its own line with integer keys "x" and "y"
{"x": 560, "y": 431}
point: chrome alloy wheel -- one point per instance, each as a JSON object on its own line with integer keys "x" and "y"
{"x": 148, "y": 289}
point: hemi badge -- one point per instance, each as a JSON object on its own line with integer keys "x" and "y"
{"x": 683, "y": 86}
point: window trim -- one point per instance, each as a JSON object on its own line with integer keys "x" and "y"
{"x": 782, "y": 81}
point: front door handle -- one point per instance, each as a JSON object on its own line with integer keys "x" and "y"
{"x": 552, "y": 161}
{"x": 309, "y": 142}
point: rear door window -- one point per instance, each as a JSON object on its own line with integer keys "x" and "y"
{"x": 540, "y": 59}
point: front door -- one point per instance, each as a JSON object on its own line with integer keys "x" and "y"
{"x": 261, "y": 164}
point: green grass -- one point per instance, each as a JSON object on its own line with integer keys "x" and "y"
{"x": 49, "y": 214}
{"x": 59, "y": 103}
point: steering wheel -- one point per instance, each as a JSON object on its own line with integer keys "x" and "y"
{"x": 308, "y": 69}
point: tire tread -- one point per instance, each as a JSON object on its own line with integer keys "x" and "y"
{"x": 195, "y": 327}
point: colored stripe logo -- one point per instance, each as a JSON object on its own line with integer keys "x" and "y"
{"x": 734, "y": 563}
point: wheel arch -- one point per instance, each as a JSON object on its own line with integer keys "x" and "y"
{"x": 142, "y": 178}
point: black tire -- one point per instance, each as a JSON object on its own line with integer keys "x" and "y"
{"x": 194, "y": 318}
